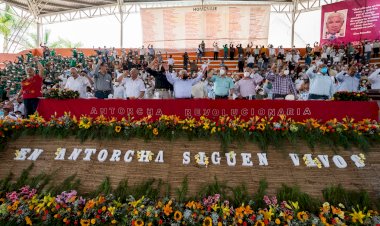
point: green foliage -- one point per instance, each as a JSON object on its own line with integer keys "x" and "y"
{"x": 294, "y": 194}
{"x": 6, "y": 183}
{"x": 70, "y": 183}
{"x": 122, "y": 190}
{"x": 215, "y": 187}
{"x": 182, "y": 191}
{"x": 240, "y": 195}
{"x": 23, "y": 179}
{"x": 104, "y": 188}
{"x": 259, "y": 195}
{"x": 349, "y": 198}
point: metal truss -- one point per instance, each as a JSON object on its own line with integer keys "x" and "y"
{"x": 302, "y": 6}
{"x": 134, "y": 7}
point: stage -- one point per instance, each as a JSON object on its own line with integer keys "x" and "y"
{"x": 298, "y": 110}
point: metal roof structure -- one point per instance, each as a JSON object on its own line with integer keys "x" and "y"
{"x": 43, "y": 12}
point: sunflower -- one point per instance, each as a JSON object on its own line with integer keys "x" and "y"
{"x": 207, "y": 221}
{"x": 155, "y": 131}
{"x": 139, "y": 222}
{"x": 259, "y": 223}
{"x": 117, "y": 129}
{"x": 177, "y": 215}
{"x": 261, "y": 127}
{"x": 84, "y": 222}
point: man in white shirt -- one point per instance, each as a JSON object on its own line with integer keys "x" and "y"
{"x": 118, "y": 91}
{"x": 78, "y": 82}
{"x": 349, "y": 80}
{"x": 374, "y": 79}
{"x": 142, "y": 53}
{"x": 134, "y": 86}
{"x": 19, "y": 106}
{"x": 368, "y": 51}
{"x": 183, "y": 83}
{"x": 216, "y": 50}
{"x": 171, "y": 63}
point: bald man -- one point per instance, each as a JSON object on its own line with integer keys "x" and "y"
{"x": 134, "y": 86}
{"x": 78, "y": 82}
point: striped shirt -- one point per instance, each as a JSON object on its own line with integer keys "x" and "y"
{"x": 282, "y": 84}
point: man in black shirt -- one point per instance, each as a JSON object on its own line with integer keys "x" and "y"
{"x": 162, "y": 89}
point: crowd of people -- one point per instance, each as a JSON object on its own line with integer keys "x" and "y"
{"x": 266, "y": 73}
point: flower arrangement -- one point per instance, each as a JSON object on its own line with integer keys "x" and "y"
{"x": 350, "y": 96}
{"x": 262, "y": 131}
{"x": 61, "y": 94}
{"x": 26, "y": 207}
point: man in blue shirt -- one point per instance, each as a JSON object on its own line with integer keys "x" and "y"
{"x": 321, "y": 85}
{"x": 223, "y": 85}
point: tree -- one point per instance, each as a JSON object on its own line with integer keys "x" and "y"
{"x": 30, "y": 41}
{"x": 8, "y": 23}
{"x": 66, "y": 43}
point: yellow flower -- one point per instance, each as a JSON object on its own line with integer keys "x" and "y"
{"x": 261, "y": 127}
{"x": 168, "y": 209}
{"x": 84, "y": 222}
{"x": 155, "y": 131}
{"x": 28, "y": 221}
{"x": 117, "y": 129}
{"x": 207, "y": 221}
{"x": 259, "y": 223}
{"x": 177, "y": 216}
{"x": 357, "y": 216}
{"x": 111, "y": 209}
{"x": 113, "y": 221}
{"x": 139, "y": 222}
{"x": 277, "y": 221}
{"x": 93, "y": 221}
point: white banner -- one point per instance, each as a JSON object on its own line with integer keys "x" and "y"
{"x": 186, "y": 27}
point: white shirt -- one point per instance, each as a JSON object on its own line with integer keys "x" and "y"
{"x": 271, "y": 52}
{"x": 142, "y": 52}
{"x": 133, "y": 87}
{"x": 281, "y": 50}
{"x": 170, "y": 61}
{"x": 199, "y": 90}
{"x": 118, "y": 92}
{"x": 216, "y": 48}
{"x": 374, "y": 79}
{"x": 79, "y": 84}
{"x": 288, "y": 57}
{"x": 347, "y": 82}
{"x": 19, "y": 107}
{"x": 250, "y": 60}
{"x": 182, "y": 88}
{"x": 367, "y": 48}
{"x": 296, "y": 58}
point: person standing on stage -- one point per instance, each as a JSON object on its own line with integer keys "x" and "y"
{"x": 182, "y": 84}
{"x": 162, "y": 88}
{"x": 31, "y": 88}
{"x": 102, "y": 80}
{"x": 223, "y": 85}
{"x": 282, "y": 82}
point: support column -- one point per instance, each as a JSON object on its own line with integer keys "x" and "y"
{"x": 121, "y": 28}
{"x": 293, "y": 20}
{"x": 39, "y": 33}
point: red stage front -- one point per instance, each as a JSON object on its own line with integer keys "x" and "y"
{"x": 298, "y": 110}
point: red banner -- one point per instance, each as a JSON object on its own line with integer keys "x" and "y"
{"x": 298, "y": 110}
